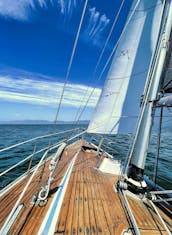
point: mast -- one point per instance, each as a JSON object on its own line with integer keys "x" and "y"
{"x": 139, "y": 150}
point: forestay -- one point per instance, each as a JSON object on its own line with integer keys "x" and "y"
{"x": 118, "y": 105}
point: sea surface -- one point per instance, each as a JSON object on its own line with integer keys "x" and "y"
{"x": 118, "y": 146}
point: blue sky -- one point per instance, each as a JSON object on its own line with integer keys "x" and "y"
{"x": 36, "y": 41}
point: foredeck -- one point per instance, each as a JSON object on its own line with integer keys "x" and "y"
{"x": 90, "y": 204}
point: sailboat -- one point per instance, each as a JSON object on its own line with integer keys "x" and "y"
{"x": 82, "y": 189}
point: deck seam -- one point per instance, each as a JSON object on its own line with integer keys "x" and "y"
{"x": 104, "y": 204}
{"x": 54, "y": 209}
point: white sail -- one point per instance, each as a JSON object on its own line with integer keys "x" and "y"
{"x": 118, "y": 105}
{"x": 167, "y": 75}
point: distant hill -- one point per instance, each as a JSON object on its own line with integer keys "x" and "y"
{"x": 41, "y": 122}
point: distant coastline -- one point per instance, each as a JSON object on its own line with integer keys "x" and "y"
{"x": 40, "y": 122}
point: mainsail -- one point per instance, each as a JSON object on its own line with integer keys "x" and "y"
{"x": 118, "y": 105}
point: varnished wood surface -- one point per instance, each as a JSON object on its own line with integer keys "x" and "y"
{"x": 90, "y": 206}
{"x": 147, "y": 220}
{"x": 31, "y": 216}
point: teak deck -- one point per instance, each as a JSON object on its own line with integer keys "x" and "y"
{"x": 90, "y": 205}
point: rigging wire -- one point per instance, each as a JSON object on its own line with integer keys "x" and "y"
{"x": 158, "y": 147}
{"x": 119, "y": 90}
{"x": 71, "y": 59}
{"x": 99, "y": 59}
{"x": 152, "y": 60}
{"x": 109, "y": 36}
{"x": 77, "y": 118}
{"x": 117, "y": 43}
{"x": 36, "y": 138}
{"x": 112, "y": 53}
{"x": 166, "y": 85}
{"x": 146, "y": 98}
{"x": 109, "y": 59}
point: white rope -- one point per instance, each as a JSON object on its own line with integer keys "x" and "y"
{"x": 24, "y": 190}
{"x": 71, "y": 58}
{"x": 43, "y": 194}
{"x": 30, "y": 180}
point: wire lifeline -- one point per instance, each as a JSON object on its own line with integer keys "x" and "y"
{"x": 24, "y": 190}
{"x": 29, "y": 182}
{"x": 35, "y": 138}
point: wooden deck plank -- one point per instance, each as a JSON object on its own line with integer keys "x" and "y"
{"x": 91, "y": 199}
{"x": 26, "y": 216}
{"x": 114, "y": 206}
{"x": 81, "y": 202}
{"x": 74, "y": 227}
{"x": 96, "y": 209}
{"x": 147, "y": 220}
{"x": 93, "y": 225}
{"x": 87, "y": 227}
{"x": 90, "y": 205}
{"x": 102, "y": 213}
{"x": 61, "y": 225}
{"x": 104, "y": 199}
{"x": 71, "y": 207}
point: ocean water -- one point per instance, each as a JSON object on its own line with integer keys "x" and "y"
{"x": 118, "y": 146}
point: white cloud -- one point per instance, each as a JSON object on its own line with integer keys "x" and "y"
{"x": 17, "y": 9}
{"x": 43, "y": 92}
{"x": 62, "y": 6}
{"x": 96, "y": 24}
{"x": 67, "y": 6}
{"x": 103, "y": 22}
{"x": 43, "y": 3}
{"x": 21, "y": 9}
{"x": 94, "y": 16}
